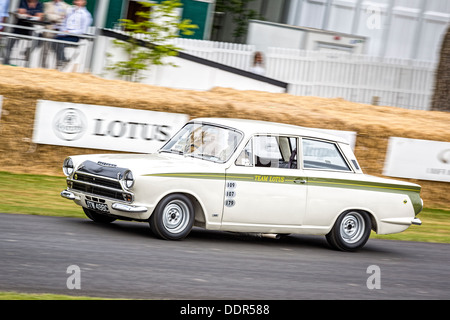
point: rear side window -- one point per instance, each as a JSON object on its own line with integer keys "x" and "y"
{"x": 321, "y": 155}
{"x": 270, "y": 151}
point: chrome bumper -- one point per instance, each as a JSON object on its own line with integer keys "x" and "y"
{"x": 128, "y": 208}
{"x": 68, "y": 195}
{"x": 116, "y": 206}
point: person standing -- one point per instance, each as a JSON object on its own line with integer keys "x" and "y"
{"x": 77, "y": 22}
{"x": 258, "y": 64}
{"x": 4, "y": 7}
{"x": 55, "y": 12}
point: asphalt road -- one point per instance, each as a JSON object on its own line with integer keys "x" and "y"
{"x": 124, "y": 260}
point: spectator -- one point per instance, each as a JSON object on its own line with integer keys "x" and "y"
{"x": 4, "y": 6}
{"x": 55, "y": 12}
{"x": 77, "y": 22}
{"x": 258, "y": 64}
{"x": 29, "y": 11}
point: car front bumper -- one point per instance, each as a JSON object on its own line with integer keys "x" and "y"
{"x": 115, "y": 205}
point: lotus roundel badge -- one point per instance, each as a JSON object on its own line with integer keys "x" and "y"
{"x": 444, "y": 156}
{"x": 69, "y": 124}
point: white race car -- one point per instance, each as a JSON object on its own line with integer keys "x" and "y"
{"x": 244, "y": 176}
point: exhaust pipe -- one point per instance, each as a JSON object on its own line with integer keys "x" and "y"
{"x": 271, "y": 235}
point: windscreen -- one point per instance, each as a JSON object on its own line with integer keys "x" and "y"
{"x": 205, "y": 141}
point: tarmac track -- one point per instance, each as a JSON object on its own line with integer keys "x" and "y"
{"x": 123, "y": 260}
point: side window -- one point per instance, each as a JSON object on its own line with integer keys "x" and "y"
{"x": 322, "y": 155}
{"x": 245, "y": 159}
{"x": 270, "y": 151}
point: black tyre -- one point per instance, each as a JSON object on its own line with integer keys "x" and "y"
{"x": 98, "y": 217}
{"x": 173, "y": 218}
{"x": 350, "y": 232}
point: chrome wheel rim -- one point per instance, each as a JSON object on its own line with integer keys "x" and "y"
{"x": 352, "y": 227}
{"x": 176, "y": 216}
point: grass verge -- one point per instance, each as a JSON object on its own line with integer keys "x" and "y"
{"x": 6, "y": 295}
{"x": 35, "y": 194}
{"x": 40, "y": 195}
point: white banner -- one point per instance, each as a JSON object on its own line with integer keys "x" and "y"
{"x": 101, "y": 127}
{"x": 418, "y": 159}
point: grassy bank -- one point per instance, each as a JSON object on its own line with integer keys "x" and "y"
{"x": 40, "y": 195}
{"x": 43, "y": 296}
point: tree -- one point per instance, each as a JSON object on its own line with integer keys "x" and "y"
{"x": 149, "y": 38}
{"x": 240, "y": 14}
{"x": 441, "y": 97}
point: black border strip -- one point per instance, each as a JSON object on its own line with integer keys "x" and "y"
{"x": 209, "y": 63}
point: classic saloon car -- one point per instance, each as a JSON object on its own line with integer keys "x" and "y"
{"x": 244, "y": 176}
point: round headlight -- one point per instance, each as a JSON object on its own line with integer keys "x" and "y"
{"x": 68, "y": 166}
{"x": 128, "y": 179}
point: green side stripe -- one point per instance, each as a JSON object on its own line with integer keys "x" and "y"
{"x": 189, "y": 175}
{"x": 412, "y": 192}
{"x": 360, "y": 184}
{"x": 339, "y": 183}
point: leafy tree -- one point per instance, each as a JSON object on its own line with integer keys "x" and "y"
{"x": 149, "y": 38}
{"x": 240, "y": 15}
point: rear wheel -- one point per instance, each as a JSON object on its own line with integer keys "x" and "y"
{"x": 98, "y": 217}
{"x": 173, "y": 218}
{"x": 350, "y": 232}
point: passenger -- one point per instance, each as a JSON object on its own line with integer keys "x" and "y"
{"x": 77, "y": 22}
{"x": 29, "y": 11}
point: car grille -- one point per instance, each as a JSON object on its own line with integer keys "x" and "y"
{"x": 98, "y": 180}
{"x": 99, "y": 186}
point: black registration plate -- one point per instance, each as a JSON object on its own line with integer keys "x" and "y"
{"x": 97, "y": 206}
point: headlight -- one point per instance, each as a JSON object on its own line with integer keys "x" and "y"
{"x": 68, "y": 166}
{"x": 128, "y": 179}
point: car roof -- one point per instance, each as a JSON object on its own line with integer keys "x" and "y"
{"x": 250, "y": 127}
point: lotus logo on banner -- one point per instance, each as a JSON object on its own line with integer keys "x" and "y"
{"x": 69, "y": 124}
{"x": 444, "y": 156}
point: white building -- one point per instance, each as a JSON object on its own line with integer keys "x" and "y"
{"x": 405, "y": 29}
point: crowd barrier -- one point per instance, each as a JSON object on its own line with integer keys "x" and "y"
{"x": 36, "y": 47}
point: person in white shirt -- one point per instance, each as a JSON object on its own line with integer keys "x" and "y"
{"x": 77, "y": 22}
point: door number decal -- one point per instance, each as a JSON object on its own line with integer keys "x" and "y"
{"x": 230, "y": 193}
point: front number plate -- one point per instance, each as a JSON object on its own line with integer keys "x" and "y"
{"x": 97, "y": 206}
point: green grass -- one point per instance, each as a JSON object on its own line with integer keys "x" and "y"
{"x": 40, "y": 195}
{"x": 35, "y": 194}
{"x": 42, "y": 296}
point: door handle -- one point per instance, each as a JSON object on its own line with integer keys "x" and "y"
{"x": 300, "y": 181}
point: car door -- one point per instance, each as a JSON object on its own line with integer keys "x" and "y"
{"x": 332, "y": 187}
{"x": 265, "y": 190}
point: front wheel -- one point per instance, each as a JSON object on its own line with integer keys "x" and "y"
{"x": 173, "y": 218}
{"x": 350, "y": 232}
